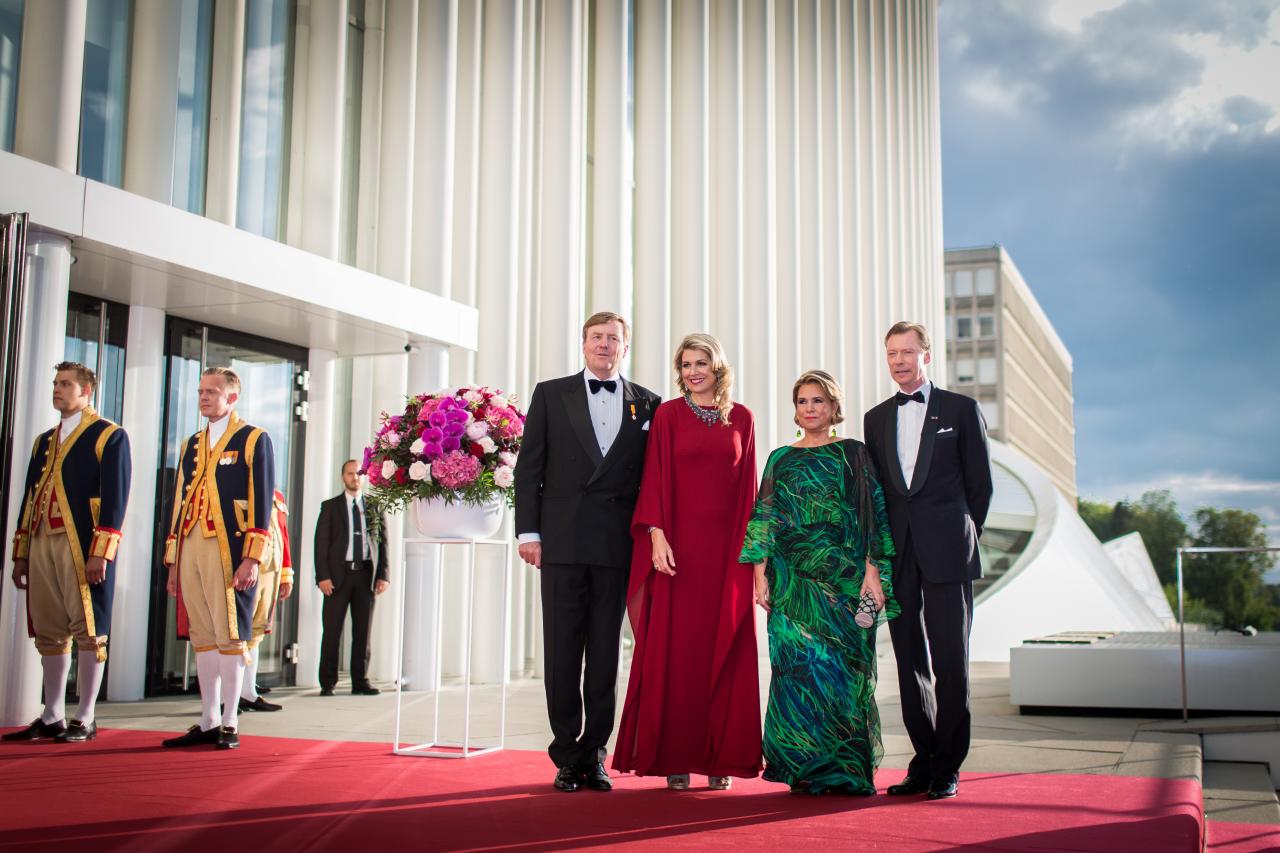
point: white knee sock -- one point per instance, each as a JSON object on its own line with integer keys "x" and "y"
{"x": 89, "y": 672}
{"x": 56, "y": 669}
{"x": 232, "y": 669}
{"x": 249, "y": 691}
{"x": 210, "y": 688}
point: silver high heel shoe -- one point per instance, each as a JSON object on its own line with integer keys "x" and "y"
{"x": 678, "y": 783}
{"x": 719, "y": 783}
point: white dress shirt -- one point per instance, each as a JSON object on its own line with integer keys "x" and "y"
{"x": 68, "y": 425}
{"x": 217, "y": 429}
{"x": 358, "y": 500}
{"x": 910, "y": 425}
{"x": 606, "y": 411}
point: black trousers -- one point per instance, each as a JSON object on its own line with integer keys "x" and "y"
{"x": 355, "y": 592}
{"x": 932, "y": 634}
{"x": 582, "y": 608}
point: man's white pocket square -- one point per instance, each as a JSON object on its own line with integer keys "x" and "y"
{"x": 946, "y": 429}
{"x": 646, "y": 426}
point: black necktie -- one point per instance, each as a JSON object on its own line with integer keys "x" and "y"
{"x": 609, "y": 385}
{"x": 357, "y": 534}
{"x": 903, "y": 399}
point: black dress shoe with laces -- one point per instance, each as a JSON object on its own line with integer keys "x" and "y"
{"x": 568, "y": 779}
{"x": 908, "y": 786}
{"x": 258, "y": 704}
{"x": 227, "y": 738}
{"x": 195, "y": 736}
{"x": 365, "y": 690}
{"x": 943, "y": 790}
{"x": 38, "y": 730}
{"x": 595, "y": 777}
{"x": 78, "y": 732}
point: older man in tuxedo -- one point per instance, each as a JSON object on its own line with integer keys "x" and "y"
{"x": 930, "y": 446}
{"x": 577, "y": 480}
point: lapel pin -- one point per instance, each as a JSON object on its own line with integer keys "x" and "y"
{"x": 633, "y": 411}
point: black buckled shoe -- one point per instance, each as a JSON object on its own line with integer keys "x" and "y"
{"x": 943, "y": 790}
{"x": 228, "y": 738}
{"x": 258, "y": 704}
{"x": 568, "y": 779}
{"x": 595, "y": 777}
{"x": 195, "y": 736}
{"x": 78, "y": 732}
{"x": 908, "y": 786}
{"x": 38, "y": 730}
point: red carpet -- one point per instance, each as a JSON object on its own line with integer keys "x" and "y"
{"x": 1241, "y": 837}
{"x": 123, "y": 791}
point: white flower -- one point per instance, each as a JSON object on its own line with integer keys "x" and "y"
{"x": 499, "y": 401}
{"x": 388, "y": 470}
{"x": 419, "y": 471}
{"x": 508, "y": 458}
{"x": 391, "y": 439}
{"x": 503, "y": 477}
{"x": 487, "y": 444}
{"x": 417, "y": 447}
{"x": 473, "y": 398}
{"x": 477, "y": 430}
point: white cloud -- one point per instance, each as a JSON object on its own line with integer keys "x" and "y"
{"x": 1071, "y": 14}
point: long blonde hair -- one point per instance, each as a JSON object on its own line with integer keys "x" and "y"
{"x": 702, "y": 342}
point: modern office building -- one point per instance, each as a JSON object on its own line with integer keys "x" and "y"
{"x": 349, "y": 200}
{"x": 1003, "y": 351}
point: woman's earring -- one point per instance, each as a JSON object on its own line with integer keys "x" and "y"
{"x": 799, "y": 433}
{"x": 833, "y": 432}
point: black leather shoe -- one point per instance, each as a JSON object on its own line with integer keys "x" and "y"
{"x": 78, "y": 732}
{"x": 227, "y": 738}
{"x": 38, "y": 730}
{"x": 326, "y": 691}
{"x": 943, "y": 790}
{"x": 595, "y": 777}
{"x": 365, "y": 690}
{"x": 568, "y": 779}
{"x": 908, "y": 786}
{"x": 258, "y": 704}
{"x": 260, "y": 690}
{"x": 195, "y": 736}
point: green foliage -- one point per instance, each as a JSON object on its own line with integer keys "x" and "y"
{"x": 1154, "y": 515}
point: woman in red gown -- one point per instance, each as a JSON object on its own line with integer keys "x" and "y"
{"x": 693, "y": 699}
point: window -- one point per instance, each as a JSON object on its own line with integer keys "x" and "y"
{"x": 264, "y": 117}
{"x": 106, "y": 89}
{"x": 10, "y": 54}
{"x": 964, "y": 371}
{"x": 990, "y": 411}
{"x": 96, "y": 334}
{"x": 348, "y": 215}
{"x": 986, "y": 326}
{"x": 986, "y": 371}
{"x": 950, "y": 279}
{"x": 191, "y": 136}
{"x": 986, "y": 281}
{"x": 964, "y": 283}
{"x": 964, "y": 328}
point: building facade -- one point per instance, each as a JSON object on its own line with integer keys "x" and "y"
{"x": 1003, "y": 351}
{"x": 351, "y": 200}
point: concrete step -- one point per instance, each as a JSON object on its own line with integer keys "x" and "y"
{"x": 1239, "y": 792}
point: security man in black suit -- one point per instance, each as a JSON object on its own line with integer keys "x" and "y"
{"x": 351, "y": 569}
{"x": 577, "y": 480}
{"x": 931, "y": 448}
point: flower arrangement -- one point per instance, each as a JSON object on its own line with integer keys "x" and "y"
{"x": 458, "y": 445}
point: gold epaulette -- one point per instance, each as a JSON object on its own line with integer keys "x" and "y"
{"x": 106, "y": 542}
{"x": 256, "y": 543}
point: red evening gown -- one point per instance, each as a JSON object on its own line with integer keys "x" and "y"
{"x": 693, "y": 699}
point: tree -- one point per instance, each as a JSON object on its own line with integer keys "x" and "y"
{"x": 1154, "y": 515}
{"x": 1232, "y": 583}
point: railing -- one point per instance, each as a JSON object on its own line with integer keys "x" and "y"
{"x": 1182, "y": 628}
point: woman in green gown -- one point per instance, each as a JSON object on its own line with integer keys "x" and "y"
{"x": 819, "y": 536}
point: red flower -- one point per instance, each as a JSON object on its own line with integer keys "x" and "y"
{"x": 476, "y": 450}
{"x": 402, "y": 476}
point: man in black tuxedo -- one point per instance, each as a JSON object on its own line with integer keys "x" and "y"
{"x": 930, "y": 446}
{"x": 350, "y": 570}
{"x": 577, "y": 480}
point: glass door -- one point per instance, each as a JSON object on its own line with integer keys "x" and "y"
{"x": 272, "y": 397}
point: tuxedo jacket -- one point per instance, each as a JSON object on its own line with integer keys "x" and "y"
{"x": 333, "y": 532}
{"x": 946, "y": 505}
{"x": 578, "y": 501}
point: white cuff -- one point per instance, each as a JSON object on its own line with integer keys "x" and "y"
{"x": 523, "y": 538}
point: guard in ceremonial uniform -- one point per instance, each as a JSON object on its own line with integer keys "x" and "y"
{"x": 64, "y": 550}
{"x": 275, "y": 584}
{"x": 220, "y": 532}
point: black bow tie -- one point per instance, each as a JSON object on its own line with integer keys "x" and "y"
{"x": 609, "y": 385}
{"x": 903, "y": 399}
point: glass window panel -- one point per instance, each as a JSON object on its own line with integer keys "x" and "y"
{"x": 264, "y": 118}
{"x": 964, "y": 283}
{"x": 191, "y": 139}
{"x": 106, "y": 86}
{"x": 986, "y": 281}
{"x": 986, "y": 326}
{"x": 964, "y": 370}
{"x": 96, "y": 336}
{"x": 348, "y": 214}
{"x": 987, "y": 371}
{"x": 990, "y": 411}
{"x": 964, "y": 328}
{"x": 10, "y": 56}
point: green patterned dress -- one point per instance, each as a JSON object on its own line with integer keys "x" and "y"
{"x": 820, "y": 514}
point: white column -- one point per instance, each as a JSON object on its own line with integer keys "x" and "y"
{"x": 611, "y": 172}
{"x": 787, "y": 198}
{"x": 225, "y": 88}
{"x": 467, "y": 165}
{"x": 44, "y": 331}
{"x": 144, "y": 397}
{"x": 50, "y": 76}
{"x": 322, "y": 128}
{"x": 395, "y": 155}
{"x": 389, "y": 380}
{"x": 322, "y": 481}
{"x": 153, "y": 100}
{"x": 432, "y": 226}
{"x": 370, "y": 132}
{"x": 690, "y": 181}
{"x": 725, "y": 184}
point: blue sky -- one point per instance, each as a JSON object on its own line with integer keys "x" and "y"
{"x": 1127, "y": 155}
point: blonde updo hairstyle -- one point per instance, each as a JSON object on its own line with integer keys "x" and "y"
{"x": 830, "y": 387}
{"x": 720, "y": 368}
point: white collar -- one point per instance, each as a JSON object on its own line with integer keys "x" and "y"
{"x": 587, "y": 376}
{"x": 926, "y": 389}
{"x": 69, "y": 423}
